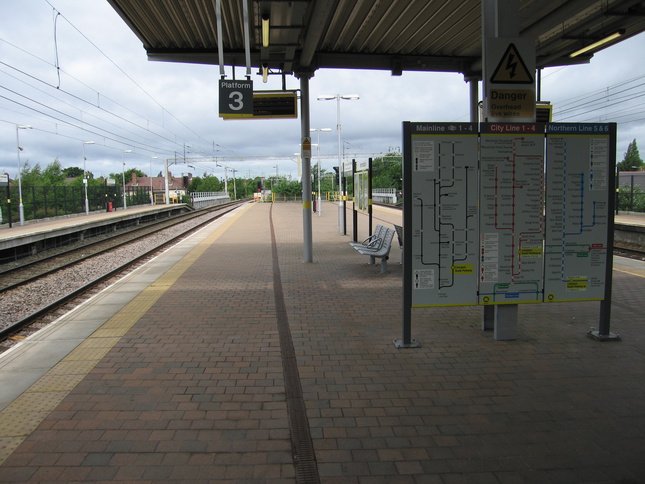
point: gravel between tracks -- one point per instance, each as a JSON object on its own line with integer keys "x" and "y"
{"x": 21, "y": 302}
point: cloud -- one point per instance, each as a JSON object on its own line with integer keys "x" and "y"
{"x": 108, "y": 92}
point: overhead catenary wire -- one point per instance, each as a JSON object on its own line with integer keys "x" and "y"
{"x": 609, "y": 103}
{"x": 122, "y": 71}
{"x": 119, "y": 118}
{"x": 96, "y": 105}
{"x": 113, "y": 137}
{"x": 56, "y": 15}
{"x": 139, "y": 132}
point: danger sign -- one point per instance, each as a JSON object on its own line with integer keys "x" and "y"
{"x": 306, "y": 147}
{"x": 511, "y": 69}
{"x": 510, "y": 80}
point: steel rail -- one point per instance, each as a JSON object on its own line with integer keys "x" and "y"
{"x": 146, "y": 230}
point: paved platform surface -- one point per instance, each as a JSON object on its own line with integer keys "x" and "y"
{"x": 227, "y": 356}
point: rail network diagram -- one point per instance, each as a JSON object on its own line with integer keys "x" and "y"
{"x": 444, "y": 208}
{"x": 506, "y": 213}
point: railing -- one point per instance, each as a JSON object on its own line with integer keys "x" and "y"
{"x": 206, "y": 199}
{"x": 631, "y": 199}
{"x": 385, "y": 195}
{"x": 283, "y": 197}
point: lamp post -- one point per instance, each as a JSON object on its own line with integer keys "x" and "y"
{"x": 341, "y": 204}
{"x": 318, "y": 130}
{"x": 234, "y": 185}
{"x": 87, "y": 203}
{"x": 21, "y": 209}
{"x": 123, "y": 175}
{"x": 152, "y": 197}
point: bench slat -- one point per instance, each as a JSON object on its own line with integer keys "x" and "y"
{"x": 382, "y": 253}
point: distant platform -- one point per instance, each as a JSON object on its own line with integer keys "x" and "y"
{"x": 37, "y": 236}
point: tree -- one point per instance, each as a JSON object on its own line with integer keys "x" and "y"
{"x": 29, "y": 177}
{"x": 53, "y": 174}
{"x": 632, "y": 160}
{"x": 386, "y": 172}
{"x": 73, "y": 172}
{"x": 91, "y": 182}
{"x": 208, "y": 183}
{"x": 288, "y": 188}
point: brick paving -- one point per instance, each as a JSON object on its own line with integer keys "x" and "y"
{"x": 195, "y": 391}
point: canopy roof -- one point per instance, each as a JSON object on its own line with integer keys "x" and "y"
{"x": 396, "y": 35}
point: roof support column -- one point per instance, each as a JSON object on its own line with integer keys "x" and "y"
{"x": 473, "y": 84}
{"x": 500, "y": 18}
{"x": 305, "y": 124}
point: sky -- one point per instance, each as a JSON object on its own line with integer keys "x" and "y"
{"x": 75, "y": 73}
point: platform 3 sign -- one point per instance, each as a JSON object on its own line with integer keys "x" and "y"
{"x": 235, "y": 99}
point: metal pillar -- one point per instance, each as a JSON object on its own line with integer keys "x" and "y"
{"x": 604, "y": 326}
{"x": 500, "y": 18}
{"x": 306, "y": 169}
{"x": 406, "y": 340}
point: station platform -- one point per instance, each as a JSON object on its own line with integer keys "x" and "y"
{"x": 39, "y": 235}
{"x": 228, "y": 359}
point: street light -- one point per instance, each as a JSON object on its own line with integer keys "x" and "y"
{"x": 234, "y": 185}
{"x": 152, "y": 197}
{"x": 341, "y": 204}
{"x": 87, "y": 204}
{"x": 318, "y": 130}
{"x": 21, "y": 208}
{"x": 123, "y": 175}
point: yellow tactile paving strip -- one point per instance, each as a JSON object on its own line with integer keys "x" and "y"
{"x": 24, "y": 414}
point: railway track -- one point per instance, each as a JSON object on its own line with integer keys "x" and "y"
{"x": 631, "y": 252}
{"x": 25, "y": 282}
{"x": 16, "y": 274}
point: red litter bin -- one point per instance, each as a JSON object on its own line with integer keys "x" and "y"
{"x": 109, "y": 206}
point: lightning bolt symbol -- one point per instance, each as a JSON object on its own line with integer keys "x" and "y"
{"x": 511, "y": 65}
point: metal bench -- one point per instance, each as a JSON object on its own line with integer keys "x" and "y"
{"x": 399, "y": 235}
{"x": 372, "y": 241}
{"x": 382, "y": 251}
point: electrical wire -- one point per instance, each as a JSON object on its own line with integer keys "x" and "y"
{"x": 84, "y": 101}
{"x": 607, "y": 103}
{"x": 123, "y": 72}
{"x": 170, "y": 143}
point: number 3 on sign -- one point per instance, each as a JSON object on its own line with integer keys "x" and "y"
{"x": 237, "y": 99}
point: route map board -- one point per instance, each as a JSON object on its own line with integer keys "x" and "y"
{"x": 442, "y": 162}
{"x": 579, "y": 160}
{"x": 510, "y": 215}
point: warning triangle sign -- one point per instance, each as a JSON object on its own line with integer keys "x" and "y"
{"x": 511, "y": 69}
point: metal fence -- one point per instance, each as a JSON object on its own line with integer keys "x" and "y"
{"x": 206, "y": 199}
{"x": 385, "y": 195}
{"x": 631, "y": 198}
{"x": 56, "y": 201}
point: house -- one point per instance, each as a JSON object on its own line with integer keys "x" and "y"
{"x": 177, "y": 186}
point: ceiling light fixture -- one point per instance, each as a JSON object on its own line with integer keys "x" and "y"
{"x": 265, "y": 30}
{"x": 602, "y": 41}
{"x": 265, "y": 73}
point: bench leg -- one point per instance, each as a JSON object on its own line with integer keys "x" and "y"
{"x": 384, "y": 265}
{"x": 372, "y": 260}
